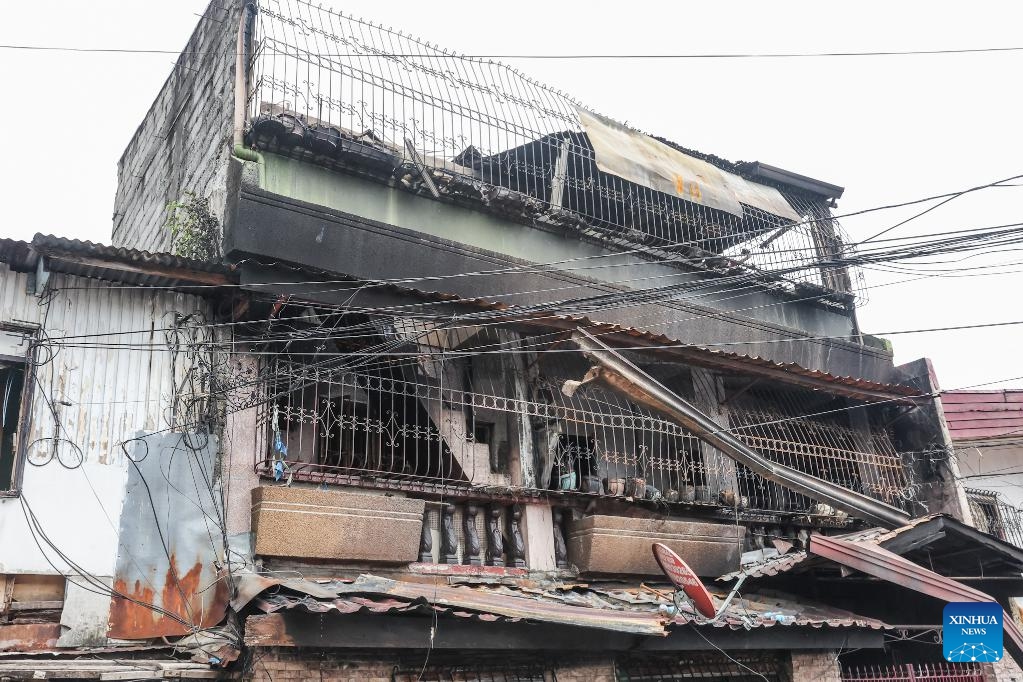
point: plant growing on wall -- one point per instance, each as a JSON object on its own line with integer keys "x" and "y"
{"x": 195, "y": 231}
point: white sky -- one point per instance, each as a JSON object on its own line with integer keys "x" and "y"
{"x": 888, "y": 129}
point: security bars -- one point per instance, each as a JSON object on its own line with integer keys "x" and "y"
{"x": 478, "y": 423}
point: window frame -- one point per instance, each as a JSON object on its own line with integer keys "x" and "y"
{"x": 27, "y": 361}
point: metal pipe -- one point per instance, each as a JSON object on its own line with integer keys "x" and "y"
{"x": 623, "y": 376}
{"x": 241, "y": 73}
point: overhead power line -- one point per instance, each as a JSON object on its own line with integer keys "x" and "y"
{"x": 578, "y": 56}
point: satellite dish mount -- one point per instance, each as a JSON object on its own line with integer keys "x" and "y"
{"x": 690, "y": 590}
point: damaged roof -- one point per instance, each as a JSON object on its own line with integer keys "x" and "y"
{"x": 921, "y": 534}
{"x": 627, "y": 608}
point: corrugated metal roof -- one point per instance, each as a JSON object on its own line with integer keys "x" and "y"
{"x": 111, "y": 263}
{"x": 974, "y": 415}
{"x": 879, "y": 537}
{"x": 617, "y": 607}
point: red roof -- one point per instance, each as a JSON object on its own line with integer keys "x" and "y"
{"x": 973, "y": 415}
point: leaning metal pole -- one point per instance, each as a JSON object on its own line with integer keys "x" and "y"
{"x": 621, "y": 375}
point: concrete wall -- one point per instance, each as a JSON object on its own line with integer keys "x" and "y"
{"x": 184, "y": 141}
{"x": 375, "y": 201}
{"x": 100, "y": 396}
{"x": 994, "y": 467}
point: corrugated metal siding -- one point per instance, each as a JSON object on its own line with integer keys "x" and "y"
{"x": 109, "y": 395}
{"x": 114, "y": 392}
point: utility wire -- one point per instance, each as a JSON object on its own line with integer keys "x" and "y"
{"x": 576, "y": 56}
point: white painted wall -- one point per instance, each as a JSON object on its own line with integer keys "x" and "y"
{"x": 103, "y": 395}
{"x": 994, "y": 467}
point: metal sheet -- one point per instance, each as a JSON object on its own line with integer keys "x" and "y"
{"x": 512, "y": 606}
{"x": 167, "y": 563}
{"x": 880, "y": 563}
{"x": 645, "y": 161}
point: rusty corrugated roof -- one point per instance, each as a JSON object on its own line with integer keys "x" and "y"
{"x": 112, "y": 263}
{"x": 636, "y": 609}
{"x": 880, "y": 537}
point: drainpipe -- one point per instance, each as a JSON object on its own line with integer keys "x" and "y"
{"x": 241, "y": 86}
{"x": 616, "y": 372}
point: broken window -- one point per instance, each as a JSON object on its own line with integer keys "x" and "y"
{"x": 29, "y": 599}
{"x": 12, "y": 382}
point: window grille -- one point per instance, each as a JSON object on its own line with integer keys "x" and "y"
{"x": 783, "y": 426}
{"x": 709, "y": 667}
{"x": 346, "y": 92}
{"x": 915, "y": 672}
{"x": 995, "y": 516}
{"x": 420, "y": 428}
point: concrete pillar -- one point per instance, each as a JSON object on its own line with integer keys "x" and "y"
{"x": 243, "y": 444}
{"x": 816, "y": 666}
{"x": 709, "y": 391}
{"x": 538, "y": 531}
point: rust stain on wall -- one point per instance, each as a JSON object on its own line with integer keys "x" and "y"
{"x": 31, "y": 637}
{"x": 183, "y": 604}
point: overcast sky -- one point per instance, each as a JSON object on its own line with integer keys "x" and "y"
{"x": 888, "y": 129}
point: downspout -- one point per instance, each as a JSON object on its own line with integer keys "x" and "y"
{"x": 241, "y": 87}
{"x": 616, "y": 372}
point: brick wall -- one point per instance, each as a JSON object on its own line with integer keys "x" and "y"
{"x": 816, "y": 666}
{"x": 295, "y": 665}
{"x": 183, "y": 143}
{"x": 309, "y": 665}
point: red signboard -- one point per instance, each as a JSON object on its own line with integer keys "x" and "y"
{"x": 682, "y": 577}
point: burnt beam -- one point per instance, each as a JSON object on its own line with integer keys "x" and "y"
{"x": 301, "y": 629}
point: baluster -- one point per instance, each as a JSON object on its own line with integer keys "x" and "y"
{"x": 471, "y": 546}
{"x": 517, "y": 548}
{"x": 448, "y": 536}
{"x": 560, "y": 550}
{"x": 495, "y": 538}
{"x": 426, "y": 539}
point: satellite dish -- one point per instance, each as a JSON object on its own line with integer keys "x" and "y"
{"x": 685, "y": 579}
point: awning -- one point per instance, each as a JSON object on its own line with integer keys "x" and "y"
{"x": 645, "y": 161}
{"x": 873, "y": 560}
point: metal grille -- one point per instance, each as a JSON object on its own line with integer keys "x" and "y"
{"x": 428, "y": 426}
{"x": 348, "y": 93}
{"x": 918, "y": 672}
{"x": 781, "y": 426}
{"x": 995, "y": 516}
{"x": 709, "y": 667}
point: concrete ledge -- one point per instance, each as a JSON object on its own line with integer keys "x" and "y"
{"x": 620, "y": 545}
{"x": 338, "y": 525}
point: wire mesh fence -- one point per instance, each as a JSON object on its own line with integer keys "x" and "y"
{"x": 347, "y": 92}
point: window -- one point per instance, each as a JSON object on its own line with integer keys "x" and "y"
{"x": 12, "y": 383}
